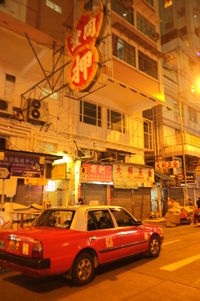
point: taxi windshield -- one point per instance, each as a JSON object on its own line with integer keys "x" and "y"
{"x": 55, "y": 218}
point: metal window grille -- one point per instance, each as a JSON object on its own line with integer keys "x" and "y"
{"x": 90, "y": 113}
{"x": 148, "y": 65}
{"x": 123, "y": 50}
{"x": 123, "y": 11}
{"x": 145, "y": 26}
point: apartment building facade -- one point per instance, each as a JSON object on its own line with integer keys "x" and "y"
{"x": 177, "y": 137}
{"x": 75, "y": 79}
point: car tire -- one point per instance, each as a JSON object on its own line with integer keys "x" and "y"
{"x": 154, "y": 246}
{"x": 83, "y": 270}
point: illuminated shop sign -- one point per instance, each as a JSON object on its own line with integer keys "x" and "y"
{"x": 164, "y": 165}
{"x": 96, "y": 173}
{"x": 81, "y": 47}
{"x": 21, "y": 166}
{"x": 128, "y": 176}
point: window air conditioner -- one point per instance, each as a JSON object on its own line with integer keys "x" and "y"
{"x": 6, "y": 108}
{"x": 37, "y": 112}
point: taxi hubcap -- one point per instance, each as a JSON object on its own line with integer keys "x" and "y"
{"x": 84, "y": 269}
{"x": 154, "y": 246}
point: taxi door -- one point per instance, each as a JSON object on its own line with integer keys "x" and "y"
{"x": 103, "y": 237}
{"x": 133, "y": 238}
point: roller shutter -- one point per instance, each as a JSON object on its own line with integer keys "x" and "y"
{"x": 136, "y": 201}
{"x": 26, "y": 195}
{"x": 94, "y": 192}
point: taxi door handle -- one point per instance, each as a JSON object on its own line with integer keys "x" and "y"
{"x": 92, "y": 238}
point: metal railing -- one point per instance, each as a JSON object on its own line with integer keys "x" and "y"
{"x": 134, "y": 131}
{"x": 188, "y": 139}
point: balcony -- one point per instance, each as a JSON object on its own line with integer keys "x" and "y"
{"x": 146, "y": 8}
{"x": 173, "y": 145}
{"x": 130, "y": 133}
{"x": 133, "y": 33}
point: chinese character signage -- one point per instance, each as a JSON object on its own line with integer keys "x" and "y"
{"x": 131, "y": 176}
{"x": 96, "y": 173}
{"x": 20, "y": 166}
{"x": 81, "y": 47}
{"x": 165, "y": 165}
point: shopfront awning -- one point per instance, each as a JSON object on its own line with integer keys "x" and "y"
{"x": 162, "y": 176}
{"x": 48, "y": 157}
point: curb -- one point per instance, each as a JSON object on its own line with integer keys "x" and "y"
{"x": 3, "y": 270}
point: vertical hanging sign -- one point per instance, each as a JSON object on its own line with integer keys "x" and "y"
{"x": 81, "y": 47}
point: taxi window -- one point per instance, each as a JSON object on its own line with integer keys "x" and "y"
{"x": 55, "y": 218}
{"x": 123, "y": 218}
{"x": 99, "y": 219}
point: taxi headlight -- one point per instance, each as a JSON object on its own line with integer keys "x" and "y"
{"x": 1, "y": 221}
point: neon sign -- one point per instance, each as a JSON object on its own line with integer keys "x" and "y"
{"x": 81, "y": 47}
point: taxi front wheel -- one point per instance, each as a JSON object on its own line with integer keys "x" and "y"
{"x": 154, "y": 246}
{"x": 83, "y": 269}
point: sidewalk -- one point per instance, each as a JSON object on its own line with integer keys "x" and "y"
{"x": 160, "y": 221}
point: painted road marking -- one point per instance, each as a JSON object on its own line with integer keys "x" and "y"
{"x": 179, "y": 264}
{"x": 170, "y": 242}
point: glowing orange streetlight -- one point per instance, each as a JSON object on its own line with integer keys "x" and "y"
{"x": 195, "y": 88}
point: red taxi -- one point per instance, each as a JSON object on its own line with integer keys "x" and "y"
{"x": 75, "y": 240}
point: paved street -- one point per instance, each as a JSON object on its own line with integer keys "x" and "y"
{"x": 175, "y": 275}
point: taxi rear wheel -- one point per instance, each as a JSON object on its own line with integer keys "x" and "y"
{"x": 83, "y": 269}
{"x": 154, "y": 246}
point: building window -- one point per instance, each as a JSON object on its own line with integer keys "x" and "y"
{"x": 181, "y": 12}
{"x": 124, "y": 10}
{"x": 148, "y": 65}
{"x": 115, "y": 121}
{"x": 147, "y": 134}
{"x": 123, "y": 50}
{"x": 169, "y": 25}
{"x": 90, "y": 113}
{"x": 151, "y": 2}
{"x": 54, "y": 6}
{"x": 168, "y": 3}
{"x": 146, "y": 27}
{"x": 192, "y": 115}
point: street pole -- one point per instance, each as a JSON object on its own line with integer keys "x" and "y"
{"x": 182, "y": 142}
{"x": 2, "y": 193}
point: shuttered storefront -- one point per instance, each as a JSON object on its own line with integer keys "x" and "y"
{"x": 136, "y": 201}
{"x": 177, "y": 193}
{"x": 123, "y": 198}
{"x": 94, "y": 192}
{"x": 28, "y": 194}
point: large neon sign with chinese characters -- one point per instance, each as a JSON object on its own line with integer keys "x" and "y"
{"x": 81, "y": 47}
